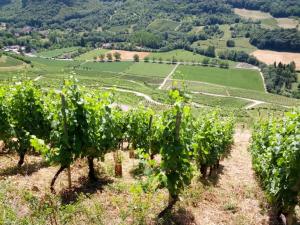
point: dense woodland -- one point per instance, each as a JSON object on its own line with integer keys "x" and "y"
{"x": 55, "y": 24}
{"x": 277, "y": 8}
{"x": 280, "y": 78}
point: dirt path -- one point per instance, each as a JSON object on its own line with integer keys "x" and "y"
{"x": 168, "y": 77}
{"x": 139, "y": 94}
{"x": 234, "y": 198}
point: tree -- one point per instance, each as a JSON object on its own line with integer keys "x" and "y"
{"x": 205, "y": 61}
{"x": 210, "y": 51}
{"x": 136, "y": 58}
{"x": 146, "y": 59}
{"x": 117, "y": 56}
{"x": 174, "y": 60}
{"x": 102, "y": 57}
{"x": 224, "y": 64}
{"x": 230, "y": 43}
{"x": 160, "y": 60}
{"x": 109, "y": 57}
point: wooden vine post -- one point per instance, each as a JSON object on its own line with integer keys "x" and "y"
{"x": 63, "y": 110}
{"x": 149, "y": 131}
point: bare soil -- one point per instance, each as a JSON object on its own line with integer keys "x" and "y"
{"x": 128, "y": 55}
{"x": 269, "y": 57}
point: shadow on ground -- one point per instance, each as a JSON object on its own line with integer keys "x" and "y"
{"x": 85, "y": 187}
{"x": 25, "y": 170}
{"x": 180, "y": 216}
{"x": 213, "y": 178}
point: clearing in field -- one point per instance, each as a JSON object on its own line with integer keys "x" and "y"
{"x": 269, "y": 57}
{"x": 150, "y": 69}
{"x": 128, "y": 55}
{"x": 163, "y": 25}
{"x": 240, "y": 78}
{"x": 56, "y": 52}
{"x": 288, "y": 23}
{"x": 88, "y": 56}
{"x": 252, "y": 14}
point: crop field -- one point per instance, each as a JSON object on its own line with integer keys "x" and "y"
{"x": 180, "y": 55}
{"x": 146, "y": 77}
{"x": 88, "y": 56}
{"x": 269, "y": 57}
{"x": 288, "y": 23}
{"x": 115, "y": 67}
{"x": 214, "y": 101}
{"x": 267, "y": 20}
{"x": 57, "y": 52}
{"x": 150, "y": 69}
{"x": 128, "y": 55}
{"x": 240, "y": 78}
{"x": 163, "y": 25}
{"x": 6, "y": 61}
{"x": 270, "y": 23}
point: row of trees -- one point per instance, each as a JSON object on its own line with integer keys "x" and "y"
{"x": 76, "y": 123}
{"x": 278, "y": 39}
{"x": 238, "y": 56}
{"x": 116, "y": 55}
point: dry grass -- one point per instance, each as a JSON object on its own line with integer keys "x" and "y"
{"x": 128, "y": 55}
{"x": 235, "y": 199}
{"x": 287, "y": 23}
{"x": 231, "y": 197}
{"x": 269, "y": 57}
{"x": 252, "y": 14}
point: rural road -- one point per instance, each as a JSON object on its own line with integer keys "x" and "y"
{"x": 168, "y": 77}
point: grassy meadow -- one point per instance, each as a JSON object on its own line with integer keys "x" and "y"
{"x": 91, "y": 54}
{"x": 163, "y": 25}
{"x": 240, "y": 78}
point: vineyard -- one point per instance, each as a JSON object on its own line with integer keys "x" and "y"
{"x": 176, "y": 153}
{"x": 275, "y": 150}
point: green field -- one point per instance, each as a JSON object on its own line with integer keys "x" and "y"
{"x": 163, "y": 25}
{"x": 115, "y": 67}
{"x": 240, "y": 78}
{"x": 120, "y": 28}
{"x": 91, "y": 54}
{"x": 180, "y": 55}
{"x": 57, "y": 52}
{"x": 146, "y": 77}
{"x": 241, "y": 43}
{"x": 150, "y": 69}
{"x": 194, "y": 86}
{"x": 219, "y": 101}
{"x": 6, "y": 61}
